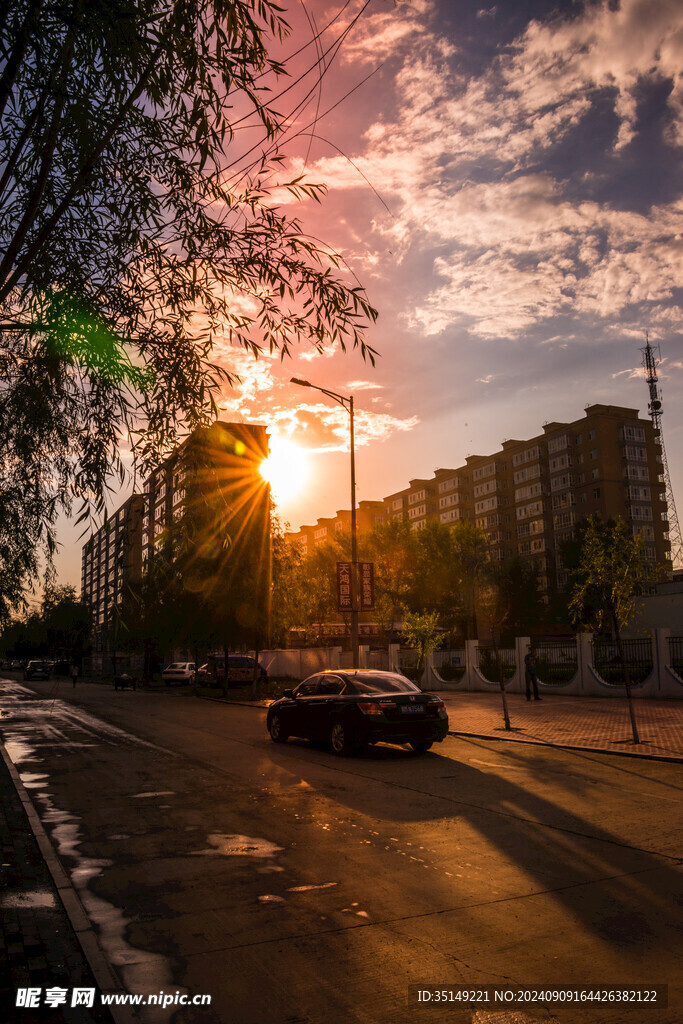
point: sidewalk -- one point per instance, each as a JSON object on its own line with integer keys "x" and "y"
{"x": 39, "y": 948}
{"x": 597, "y": 724}
{"x": 579, "y": 723}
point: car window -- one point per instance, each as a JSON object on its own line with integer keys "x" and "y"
{"x": 308, "y": 687}
{"x": 382, "y": 684}
{"x": 331, "y": 684}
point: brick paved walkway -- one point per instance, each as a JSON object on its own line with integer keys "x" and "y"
{"x": 38, "y": 945}
{"x": 593, "y": 723}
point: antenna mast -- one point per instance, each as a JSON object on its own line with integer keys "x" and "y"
{"x": 655, "y": 409}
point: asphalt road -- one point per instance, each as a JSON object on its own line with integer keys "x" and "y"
{"x": 298, "y": 888}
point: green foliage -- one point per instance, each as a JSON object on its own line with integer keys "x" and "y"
{"x": 422, "y": 633}
{"x": 391, "y": 546}
{"x": 59, "y": 629}
{"x": 137, "y": 237}
{"x": 518, "y": 584}
{"x": 611, "y": 574}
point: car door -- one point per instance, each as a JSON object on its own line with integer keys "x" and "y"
{"x": 294, "y": 711}
{"x": 324, "y": 705}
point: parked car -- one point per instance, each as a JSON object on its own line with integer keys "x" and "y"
{"x": 38, "y": 670}
{"x": 124, "y": 680}
{"x": 179, "y": 672}
{"x": 354, "y": 709}
{"x": 240, "y": 668}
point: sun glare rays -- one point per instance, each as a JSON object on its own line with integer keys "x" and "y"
{"x": 287, "y": 469}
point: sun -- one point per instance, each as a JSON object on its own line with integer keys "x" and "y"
{"x": 287, "y": 469}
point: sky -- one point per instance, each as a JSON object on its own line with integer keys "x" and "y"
{"x": 506, "y": 182}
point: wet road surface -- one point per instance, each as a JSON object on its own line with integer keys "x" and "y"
{"x": 296, "y": 887}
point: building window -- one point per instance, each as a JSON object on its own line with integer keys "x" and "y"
{"x": 483, "y": 471}
{"x": 558, "y": 444}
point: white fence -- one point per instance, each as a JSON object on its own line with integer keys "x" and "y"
{"x": 664, "y": 678}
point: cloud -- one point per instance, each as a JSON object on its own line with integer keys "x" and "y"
{"x": 324, "y": 428}
{"x": 460, "y": 162}
{"x": 364, "y": 385}
{"x": 264, "y": 397}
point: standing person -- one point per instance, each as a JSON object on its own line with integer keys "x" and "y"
{"x": 530, "y": 674}
{"x": 74, "y": 673}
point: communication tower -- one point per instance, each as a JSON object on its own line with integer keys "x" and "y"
{"x": 655, "y": 408}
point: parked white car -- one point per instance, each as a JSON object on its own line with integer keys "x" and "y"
{"x": 179, "y": 672}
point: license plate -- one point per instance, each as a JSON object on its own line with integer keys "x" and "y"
{"x": 412, "y": 709}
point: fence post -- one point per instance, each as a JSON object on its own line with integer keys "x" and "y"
{"x": 584, "y": 655}
{"x": 522, "y": 644}
{"x": 394, "y": 663}
{"x": 662, "y": 655}
{"x": 471, "y": 648}
{"x": 363, "y": 656}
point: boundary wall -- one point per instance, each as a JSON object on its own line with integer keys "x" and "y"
{"x": 662, "y": 682}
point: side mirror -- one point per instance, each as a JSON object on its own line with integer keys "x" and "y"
{"x": 289, "y": 693}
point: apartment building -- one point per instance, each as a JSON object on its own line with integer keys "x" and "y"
{"x": 216, "y": 466}
{"x": 111, "y": 561}
{"x": 368, "y": 513}
{"x": 529, "y": 495}
{"x": 216, "y": 469}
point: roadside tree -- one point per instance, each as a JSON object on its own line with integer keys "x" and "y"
{"x": 421, "y": 631}
{"x": 612, "y": 573}
{"x": 139, "y": 232}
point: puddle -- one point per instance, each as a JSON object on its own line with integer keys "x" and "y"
{"x": 38, "y": 900}
{"x": 33, "y": 780}
{"x": 149, "y": 796}
{"x": 309, "y": 888}
{"x": 239, "y": 846}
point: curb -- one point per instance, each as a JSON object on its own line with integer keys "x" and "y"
{"x": 665, "y": 758}
{"x": 102, "y": 972}
{"x": 645, "y": 756}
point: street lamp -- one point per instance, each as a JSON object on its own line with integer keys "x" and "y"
{"x": 347, "y": 404}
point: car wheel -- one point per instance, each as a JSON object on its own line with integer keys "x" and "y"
{"x": 277, "y": 733}
{"x": 340, "y": 741}
{"x": 421, "y": 746}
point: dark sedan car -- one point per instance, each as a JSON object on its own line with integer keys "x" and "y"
{"x": 354, "y": 709}
{"x": 38, "y": 670}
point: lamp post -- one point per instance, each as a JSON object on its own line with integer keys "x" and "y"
{"x": 346, "y": 403}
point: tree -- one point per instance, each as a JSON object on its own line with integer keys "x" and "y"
{"x": 60, "y": 628}
{"x": 421, "y": 632}
{"x": 612, "y": 573}
{"x": 518, "y": 583}
{"x": 137, "y": 231}
{"x": 391, "y": 547}
{"x": 287, "y": 585}
{"x": 472, "y": 556}
{"x": 495, "y": 604}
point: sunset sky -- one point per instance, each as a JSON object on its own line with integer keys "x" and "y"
{"x": 506, "y": 183}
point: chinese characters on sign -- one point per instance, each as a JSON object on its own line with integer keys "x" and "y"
{"x": 366, "y": 573}
{"x": 344, "y": 596}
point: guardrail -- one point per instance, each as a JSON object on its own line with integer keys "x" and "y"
{"x": 638, "y": 661}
